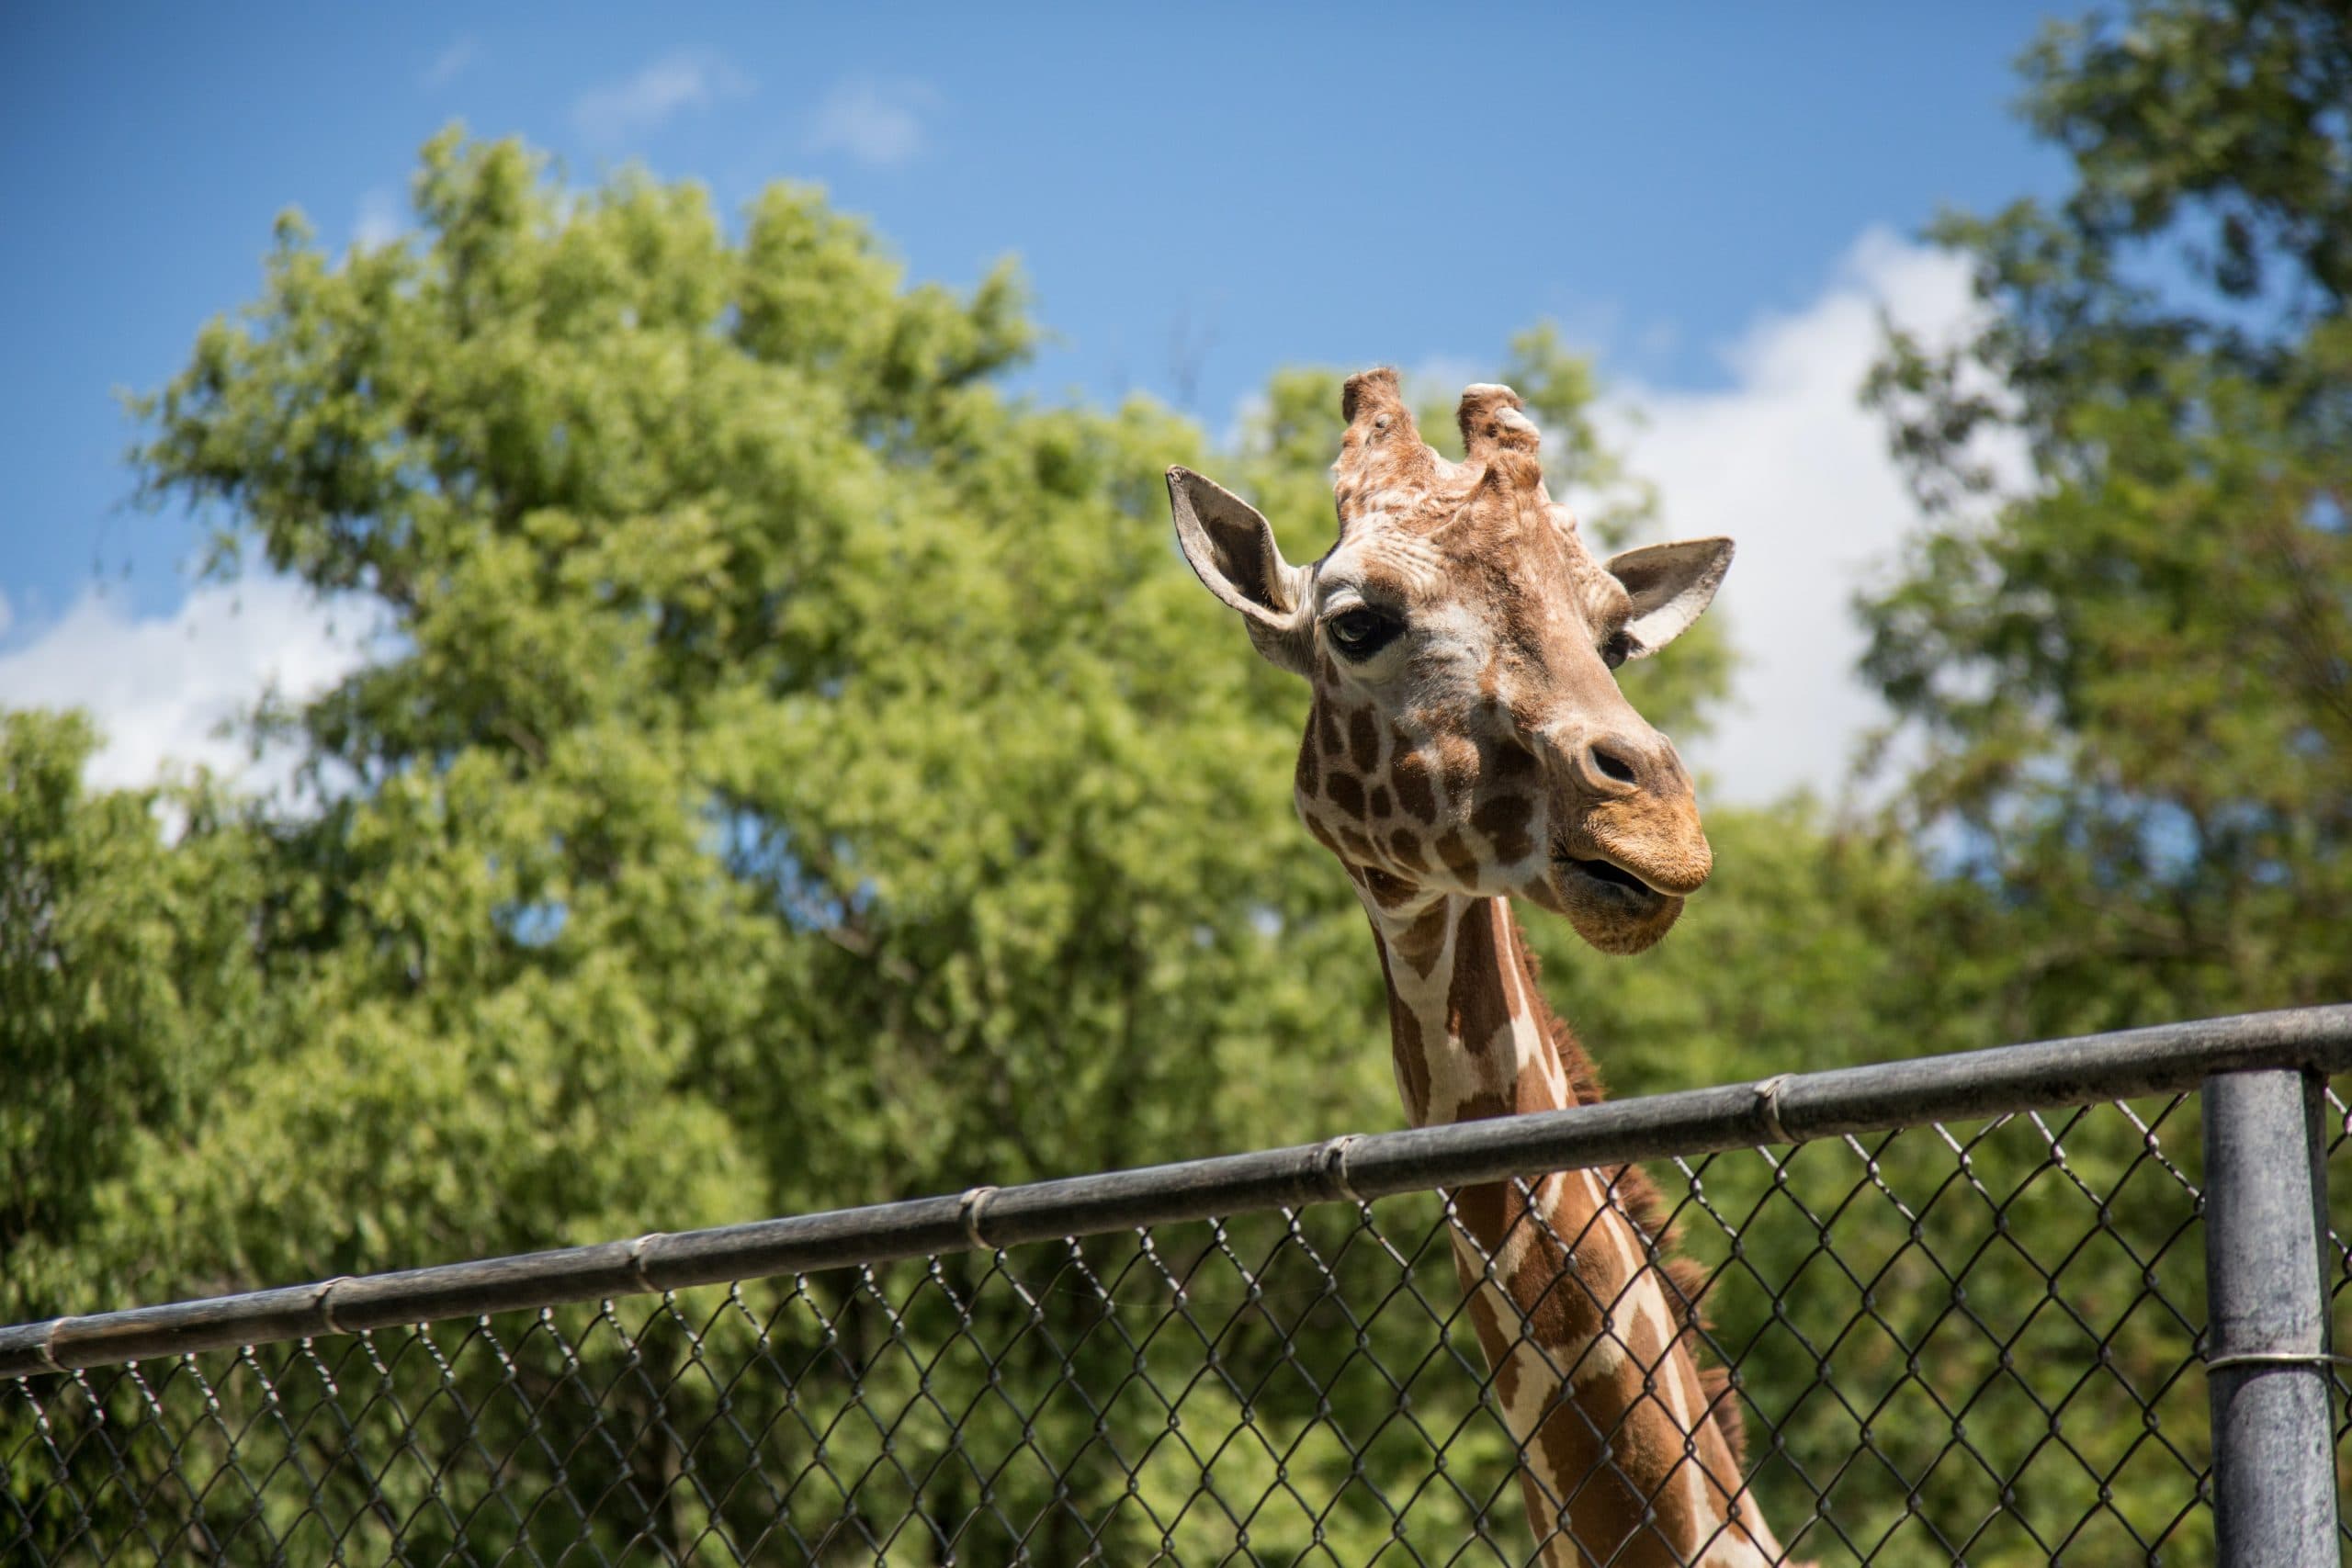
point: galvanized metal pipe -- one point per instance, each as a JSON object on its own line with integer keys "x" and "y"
{"x": 2266, "y": 1343}
{"x": 1791, "y": 1107}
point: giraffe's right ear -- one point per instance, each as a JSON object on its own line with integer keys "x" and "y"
{"x": 1232, "y": 550}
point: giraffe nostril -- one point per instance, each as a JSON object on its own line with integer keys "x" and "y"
{"x": 1613, "y": 764}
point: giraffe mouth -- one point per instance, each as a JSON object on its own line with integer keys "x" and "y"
{"x": 1611, "y": 907}
{"x": 1623, "y": 885}
{"x": 1608, "y": 872}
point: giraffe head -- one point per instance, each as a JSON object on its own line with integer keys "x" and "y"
{"x": 1467, "y": 735}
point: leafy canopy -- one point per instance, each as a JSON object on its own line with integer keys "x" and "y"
{"x": 796, "y": 773}
{"x": 792, "y": 774}
{"x": 2132, "y": 665}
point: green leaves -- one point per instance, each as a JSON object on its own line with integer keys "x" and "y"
{"x": 127, "y": 987}
{"x": 2218, "y": 128}
{"x": 794, "y": 775}
{"x": 2132, "y": 672}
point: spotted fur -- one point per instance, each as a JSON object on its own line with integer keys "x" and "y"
{"x": 1476, "y": 751}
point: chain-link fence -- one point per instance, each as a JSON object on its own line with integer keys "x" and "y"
{"x": 1963, "y": 1300}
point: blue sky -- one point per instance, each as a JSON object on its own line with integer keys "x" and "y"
{"x": 1197, "y": 196}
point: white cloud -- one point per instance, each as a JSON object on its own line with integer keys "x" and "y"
{"x": 452, "y": 62}
{"x": 380, "y": 221}
{"x": 1789, "y": 463}
{"x": 160, "y": 687}
{"x": 684, "y": 79}
{"x": 873, "y": 120}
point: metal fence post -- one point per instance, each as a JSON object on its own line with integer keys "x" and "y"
{"x": 2267, "y": 1367}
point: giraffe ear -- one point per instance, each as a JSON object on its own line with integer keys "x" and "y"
{"x": 1232, "y": 550}
{"x": 1671, "y": 585}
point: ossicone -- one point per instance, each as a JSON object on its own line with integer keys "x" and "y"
{"x": 1382, "y": 458}
{"x": 1493, "y": 419}
{"x": 1369, "y": 391}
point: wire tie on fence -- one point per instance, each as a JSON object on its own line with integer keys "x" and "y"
{"x": 323, "y": 1302}
{"x": 1334, "y": 1161}
{"x": 2278, "y": 1358}
{"x": 42, "y": 1347}
{"x": 1768, "y": 1102}
{"x": 637, "y": 1261}
{"x": 969, "y": 1206}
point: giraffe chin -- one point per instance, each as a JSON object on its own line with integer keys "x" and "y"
{"x": 1611, "y": 911}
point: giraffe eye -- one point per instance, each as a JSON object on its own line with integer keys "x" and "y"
{"x": 1616, "y": 650}
{"x": 1360, "y": 633}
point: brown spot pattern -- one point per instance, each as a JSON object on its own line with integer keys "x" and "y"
{"x": 1576, "y": 1268}
{"x": 1411, "y": 1057}
{"x": 1457, "y": 757}
{"x": 1516, "y": 997}
{"x": 1504, "y": 819}
{"x": 1423, "y": 944}
{"x": 1514, "y": 761}
{"x": 1475, "y": 1005}
{"x": 1512, "y": 562}
{"x": 1346, "y": 793}
{"x": 1410, "y": 774}
{"x": 1454, "y": 850}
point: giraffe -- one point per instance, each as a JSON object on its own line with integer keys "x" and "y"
{"x": 1466, "y": 743}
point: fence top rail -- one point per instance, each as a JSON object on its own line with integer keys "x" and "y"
{"x": 1786, "y": 1108}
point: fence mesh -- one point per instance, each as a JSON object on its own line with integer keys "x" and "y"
{"x": 1952, "y": 1342}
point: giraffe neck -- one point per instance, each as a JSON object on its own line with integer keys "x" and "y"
{"x": 1630, "y": 1454}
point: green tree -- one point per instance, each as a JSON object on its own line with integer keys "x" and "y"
{"x": 2121, "y": 648}
{"x": 784, "y": 733}
{"x": 2131, "y": 667}
{"x": 794, "y": 776}
{"x": 128, "y": 986}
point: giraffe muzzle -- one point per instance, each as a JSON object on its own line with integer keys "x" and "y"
{"x": 1612, "y": 908}
{"x": 1622, "y": 869}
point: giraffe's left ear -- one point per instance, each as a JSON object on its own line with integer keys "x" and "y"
{"x": 1232, "y": 550}
{"x": 1671, "y": 585}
